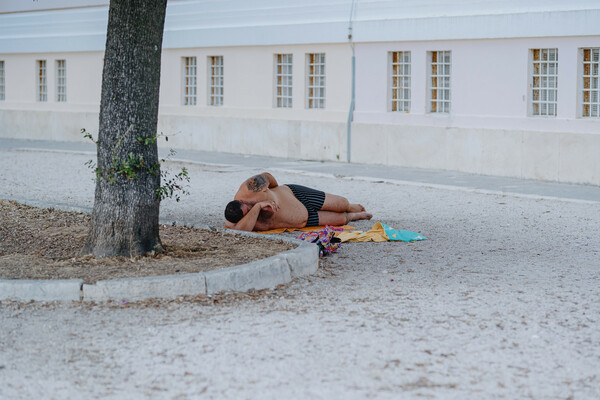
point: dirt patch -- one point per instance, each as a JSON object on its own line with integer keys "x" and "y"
{"x": 37, "y": 243}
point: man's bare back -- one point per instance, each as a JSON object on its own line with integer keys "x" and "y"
{"x": 262, "y": 204}
{"x": 291, "y": 213}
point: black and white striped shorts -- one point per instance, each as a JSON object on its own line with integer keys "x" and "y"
{"x": 312, "y": 199}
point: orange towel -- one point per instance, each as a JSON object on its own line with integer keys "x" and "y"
{"x": 310, "y": 228}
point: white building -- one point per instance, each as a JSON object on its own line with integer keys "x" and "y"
{"x": 500, "y": 87}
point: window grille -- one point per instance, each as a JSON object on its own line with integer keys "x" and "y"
{"x": 42, "y": 90}
{"x": 2, "y": 87}
{"x": 315, "y": 80}
{"x": 439, "y": 81}
{"x": 400, "y": 81}
{"x": 544, "y": 81}
{"x": 61, "y": 80}
{"x": 189, "y": 81}
{"x": 590, "y": 105}
{"x": 283, "y": 80}
{"x": 216, "y": 81}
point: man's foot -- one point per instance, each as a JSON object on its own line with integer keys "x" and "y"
{"x": 355, "y": 208}
{"x": 355, "y": 216}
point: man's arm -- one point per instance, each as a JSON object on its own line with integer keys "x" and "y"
{"x": 248, "y": 221}
{"x": 259, "y": 183}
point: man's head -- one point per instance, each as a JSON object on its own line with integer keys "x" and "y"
{"x": 235, "y": 211}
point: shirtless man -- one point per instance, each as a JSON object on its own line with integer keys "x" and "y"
{"x": 261, "y": 204}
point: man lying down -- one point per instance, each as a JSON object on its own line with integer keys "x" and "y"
{"x": 262, "y": 204}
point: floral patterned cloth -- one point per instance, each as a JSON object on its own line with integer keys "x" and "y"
{"x": 324, "y": 238}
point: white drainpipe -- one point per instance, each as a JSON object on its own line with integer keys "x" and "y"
{"x": 351, "y": 112}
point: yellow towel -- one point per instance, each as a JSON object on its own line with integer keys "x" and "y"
{"x": 376, "y": 234}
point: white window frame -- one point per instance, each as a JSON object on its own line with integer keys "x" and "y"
{"x": 399, "y": 63}
{"x": 41, "y": 80}
{"x": 589, "y": 97}
{"x": 315, "y": 80}
{"x": 61, "y": 80}
{"x": 439, "y": 74}
{"x": 2, "y": 82}
{"x": 283, "y": 80}
{"x": 216, "y": 80}
{"x": 189, "y": 89}
{"x": 543, "y": 82}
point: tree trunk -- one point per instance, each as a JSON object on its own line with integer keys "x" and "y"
{"x": 126, "y": 205}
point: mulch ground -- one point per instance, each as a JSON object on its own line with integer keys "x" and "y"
{"x": 37, "y": 243}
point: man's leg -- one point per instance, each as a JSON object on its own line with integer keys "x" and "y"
{"x": 340, "y": 204}
{"x": 341, "y": 218}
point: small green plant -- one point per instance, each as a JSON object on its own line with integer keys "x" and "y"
{"x": 152, "y": 139}
{"x": 87, "y": 135}
{"x": 173, "y": 186}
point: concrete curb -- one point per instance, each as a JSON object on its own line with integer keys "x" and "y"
{"x": 132, "y": 289}
{"x": 41, "y": 290}
{"x": 261, "y": 274}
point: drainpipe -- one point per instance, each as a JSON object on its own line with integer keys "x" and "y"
{"x": 351, "y": 112}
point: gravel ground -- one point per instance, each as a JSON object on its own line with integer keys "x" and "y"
{"x": 501, "y": 301}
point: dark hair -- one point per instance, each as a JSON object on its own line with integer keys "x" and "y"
{"x": 233, "y": 211}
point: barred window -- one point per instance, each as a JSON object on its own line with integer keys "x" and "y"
{"x": 400, "y": 81}
{"x": 544, "y": 81}
{"x": 590, "y": 97}
{"x": 283, "y": 80}
{"x": 439, "y": 82}
{"x": 215, "y": 83}
{"x": 61, "y": 80}
{"x": 42, "y": 89}
{"x": 315, "y": 80}
{"x": 2, "y": 87}
{"x": 189, "y": 81}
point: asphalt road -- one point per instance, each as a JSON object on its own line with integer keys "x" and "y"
{"x": 501, "y": 301}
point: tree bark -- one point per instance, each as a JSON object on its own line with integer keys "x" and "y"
{"x": 126, "y": 208}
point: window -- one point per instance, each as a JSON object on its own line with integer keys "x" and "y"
{"x": 315, "y": 80}
{"x": 189, "y": 81}
{"x": 42, "y": 90}
{"x": 215, "y": 83}
{"x": 590, "y": 98}
{"x": 439, "y": 82}
{"x": 399, "y": 81}
{"x": 61, "y": 80}
{"x": 2, "y": 87}
{"x": 544, "y": 81}
{"x": 283, "y": 80}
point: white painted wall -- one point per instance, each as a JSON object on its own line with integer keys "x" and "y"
{"x": 249, "y": 82}
{"x": 488, "y": 130}
{"x": 84, "y": 79}
{"x": 490, "y": 82}
{"x": 13, "y": 6}
{"x": 248, "y": 122}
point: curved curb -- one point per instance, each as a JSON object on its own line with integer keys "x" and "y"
{"x": 41, "y": 290}
{"x": 261, "y": 274}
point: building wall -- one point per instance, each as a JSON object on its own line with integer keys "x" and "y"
{"x": 489, "y": 129}
{"x": 247, "y": 122}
